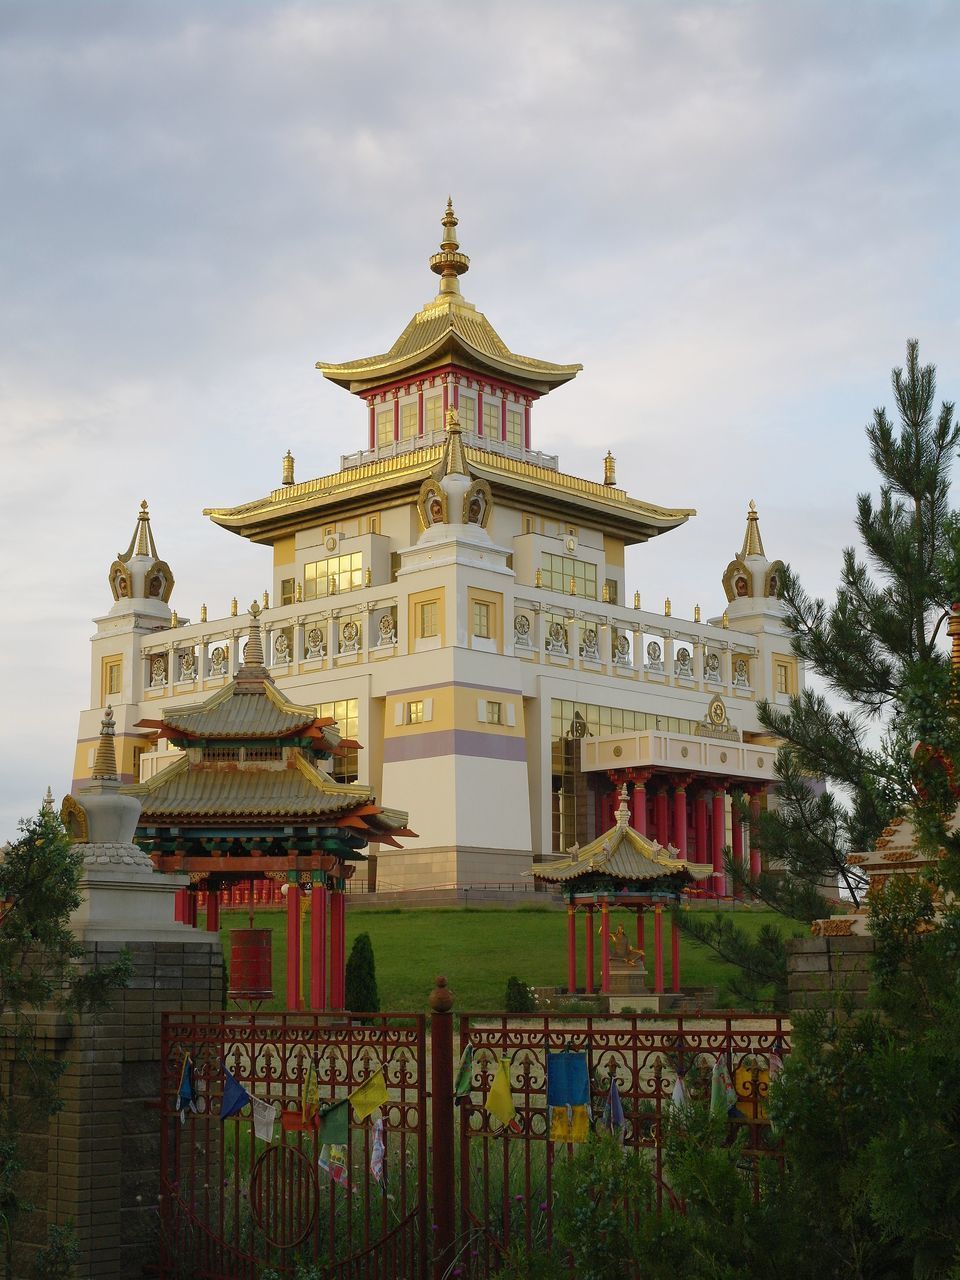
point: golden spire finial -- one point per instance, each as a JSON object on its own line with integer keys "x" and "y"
{"x": 203, "y": 613}
{"x": 233, "y": 607}
{"x": 48, "y": 801}
{"x": 610, "y": 470}
{"x": 253, "y": 649}
{"x": 142, "y": 543}
{"x": 725, "y": 620}
{"x": 696, "y": 613}
{"x": 288, "y": 461}
{"x": 666, "y": 607}
{"x": 752, "y": 542}
{"x": 105, "y": 763}
{"x": 449, "y": 263}
{"x": 636, "y": 599}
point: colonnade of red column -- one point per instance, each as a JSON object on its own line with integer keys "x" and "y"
{"x": 589, "y": 915}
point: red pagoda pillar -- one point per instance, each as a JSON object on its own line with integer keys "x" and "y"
{"x": 660, "y": 818}
{"x": 658, "y": 949}
{"x": 588, "y": 917}
{"x": 318, "y": 943}
{"x": 180, "y": 908}
{"x": 754, "y": 833}
{"x": 638, "y": 806}
{"x": 571, "y": 948}
{"x": 213, "y": 910}
{"x": 192, "y": 895}
{"x": 604, "y": 948}
{"x": 641, "y": 945}
{"x": 674, "y": 955}
{"x": 736, "y": 843}
{"x": 337, "y": 945}
{"x": 680, "y": 818}
{"x": 700, "y": 827}
{"x": 293, "y": 942}
{"x": 718, "y": 824}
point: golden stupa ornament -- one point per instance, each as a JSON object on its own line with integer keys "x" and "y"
{"x": 725, "y": 620}
{"x": 610, "y": 470}
{"x": 203, "y": 613}
{"x": 233, "y": 607}
{"x": 667, "y": 607}
{"x": 288, "y": 461}
{"x": 266, "y": 599}
{"x": 449, "y": 263}
{"x": 636, "y": 599}
{"x": 696, "y": 613}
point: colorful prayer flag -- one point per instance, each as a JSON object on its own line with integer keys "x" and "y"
{"x": 333, "y": 1161}
{"x": 235, "y": 1096}
{"x": 377, "y": 1152}
{"x": 334, "y": 1123}
{"x": 568, "y": 1096}
{"x": 264, "y": 1118}
{"x": 186, "y": 1097}
{"x": 499, "y": 1101}
{"x": 310, "y": 1098}
{"x": 612, "y": 1118}
{"x": 723, "y": 1096}
{"x": 569, "y": 1124}
{"x": 370, "y": 1095}
{"x": 680, "y": 1098}
{"x": 464, "y": 1080}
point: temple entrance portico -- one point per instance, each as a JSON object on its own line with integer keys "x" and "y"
{"x": 685, "y": 791}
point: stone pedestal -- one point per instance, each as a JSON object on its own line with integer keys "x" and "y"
{"x": 829, "y": 971}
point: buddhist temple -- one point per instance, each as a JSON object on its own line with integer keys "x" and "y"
{"x": 247, "y": 798}
{"x": 465, "y": 608}
{"x": 622, "y": 868}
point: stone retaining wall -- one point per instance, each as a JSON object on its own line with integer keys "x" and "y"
{"x": 823, "y": 973}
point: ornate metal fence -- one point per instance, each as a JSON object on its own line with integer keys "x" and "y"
{"x": 235, "y": 1206}
{"x": 506, "y": 1178}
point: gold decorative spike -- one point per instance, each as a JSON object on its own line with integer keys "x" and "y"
{"x": 266, "y": 599}
{"x": 449, "y": 263}
{"x": 538, "y": 578}
{"x": 696, "y": 613}
{"x": 636, "y": 599}
{"x": 203, "y": 613}
{"x": 105, "y": 762}
{"x": 233, "y": 607}
{"x": 667, "y": 607}
{"x": 332, "y": 589}
{"x": 610, "y": 470}
{"x": 288, "y": 461}
{"x": 368, "y": 578}
{"x": 174, "y": 619}
{"x": 725, "y": 620}
{"x": 299, "y": 593}
{"x": 143, "y": 531}
{"x": 752, "y": 542}
{"x": 605, "y": 594}
{"x": 573, "y": 585}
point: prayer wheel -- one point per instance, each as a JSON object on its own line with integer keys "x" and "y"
{"x": 251, "y": 958}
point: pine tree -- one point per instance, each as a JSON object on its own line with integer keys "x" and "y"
{"x": 361, "y": 977}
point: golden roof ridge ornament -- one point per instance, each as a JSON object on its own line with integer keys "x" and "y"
{"x": 105, "y": 762}
{"x": 449, "y": 263}
{"x": 752, "y": 542}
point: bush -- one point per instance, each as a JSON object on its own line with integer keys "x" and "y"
{"x": 519, "y": 997}
{"x": 361, "y": 994}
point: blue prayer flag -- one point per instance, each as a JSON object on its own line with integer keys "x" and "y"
{"x": 186, "y": 1097}
{"x": 612, "y": 1118}
{"x": 235, "y": 1096}
{"x": 568, "y": 1080}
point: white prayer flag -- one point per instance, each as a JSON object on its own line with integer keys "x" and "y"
{"x": 264, "y": 1118}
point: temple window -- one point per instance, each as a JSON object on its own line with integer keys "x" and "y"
{"x": 332, "y": 576}
{"x": 384, "y": 427}
{"x": 529, "y": 524}
{"x": 494, "y": 712}
{"x": 408, "y": 421}
{"x": 345, "y": 712}
{"x": 610, "y": 590}
{"x": 428, "y": 619}
{"x": 558, "y": 571}
{"x": 432, "y": 413}
{"x": 288, "y": 588}
{"x": 491, "y": 419}
{"x": 481, "y": 619}
{"x": 514, "y": 427}
{"x": 414, "y": 712}
{"x": 111, "y": 678}
{"x": 783, "y": 676}
{"x": 468, "y": 412}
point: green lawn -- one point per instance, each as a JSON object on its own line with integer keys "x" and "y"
{"x": 478, "y": 950}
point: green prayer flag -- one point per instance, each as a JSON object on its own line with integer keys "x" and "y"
{"x": 334, "y": 1123}
{"x": 464, "y": 1079}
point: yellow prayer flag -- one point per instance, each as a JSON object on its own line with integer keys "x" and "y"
{"x": 310, "y": 1101}
{"x": 569, "y": 1124}
{"x": 500, "y": 1098}
{"x": 370, "y": 1095}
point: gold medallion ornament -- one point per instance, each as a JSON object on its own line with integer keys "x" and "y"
{"x": 717, "y": 712}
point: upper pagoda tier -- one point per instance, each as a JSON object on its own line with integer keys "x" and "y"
{"x": 449, "y": 330}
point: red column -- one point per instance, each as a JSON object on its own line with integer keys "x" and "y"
{"x": 604, "y": 948}
{"x": 736, "y": 847}
{"x": 191, "y": 917}
{"x": 718, "y": 824}
{"x": 456, "y": 396}
{"x": 213, "y": 911}
{"x": 446, "y": 400}
{"x": 180, "y": 905}
{"x": 342, "y": 978}
{"x": 336, "y": 998}
{"x": 700, "y": 827}
{"x": 674, "y": 955}
{"x": 680, "y": 820}
{"x": 396, "y": 415}
{"x": 479, "y": 408}
{"x": 588, "y": 917}
{"x": 373, "y": 424}
{"x": 571, "y": 949}
{"x": 638, "y": 819}
{"x": 503, "y": 415}
{"x": 658, "y": 949}
{"x": 754, "y": 833}
{"x": 641, "y": 944}
{"x": 526, "y": 423}
{"x": 293, "y": 945}
{"x": 419, "y": 408}
{"x": 660, "y": 819}
{"x": 318, "y": 946}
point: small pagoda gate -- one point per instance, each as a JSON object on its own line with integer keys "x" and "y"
{"x": 622, "y": 868}
{"x": 249, "y": 800}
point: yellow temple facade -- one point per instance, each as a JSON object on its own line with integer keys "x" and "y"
{"x": 459, "y": 605}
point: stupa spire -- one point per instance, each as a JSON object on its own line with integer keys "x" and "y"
{"x": 449, "y": 263}
{"x": 752, "y": 542}
{"x": 453, "y": 462}
{"x": 252, "y": 670}
{"x": 105, "y": 762}
{"x": 142, "y": 543}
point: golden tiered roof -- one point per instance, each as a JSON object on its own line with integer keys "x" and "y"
{"x": 449, "y": 328}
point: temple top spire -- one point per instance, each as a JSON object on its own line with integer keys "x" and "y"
{"x": 139, "y": 575}
{"x": 449, "y": 263}
{"x": 752, "y": 542}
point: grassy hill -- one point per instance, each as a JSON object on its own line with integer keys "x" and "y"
{"x": 479, "y": 949}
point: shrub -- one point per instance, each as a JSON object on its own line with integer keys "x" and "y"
{"x": 519, "y": 997}
{"x": 361, "y": 994}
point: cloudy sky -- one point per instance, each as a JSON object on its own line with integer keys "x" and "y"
{"x": 733, "y": 214}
